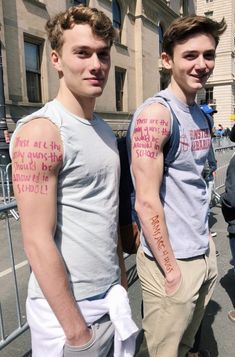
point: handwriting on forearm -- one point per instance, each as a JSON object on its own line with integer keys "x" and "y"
{"x": 32, "y": 163}
{"x": 157, "y": 235}
{"x": 146, "y": 138}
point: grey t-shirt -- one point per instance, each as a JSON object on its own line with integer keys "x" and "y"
{"x": 87, "y": 201}
{"x": 183, "y": 191}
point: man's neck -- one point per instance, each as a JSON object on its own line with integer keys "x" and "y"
{"x": 80, "y": 106}
{"x": 187, "y": 98}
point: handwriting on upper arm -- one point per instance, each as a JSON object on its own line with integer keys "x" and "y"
{"x": 33, "y": 161}
{"x": 147, "y": 136}
{"x": 157, "y": 235}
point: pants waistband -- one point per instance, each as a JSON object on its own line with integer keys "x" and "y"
{"x": 185, "y": 259}
{"x": 102, "y": 319}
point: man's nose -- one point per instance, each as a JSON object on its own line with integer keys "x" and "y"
{"x": 95, "y": 62}
{"x": 201, "y": 62}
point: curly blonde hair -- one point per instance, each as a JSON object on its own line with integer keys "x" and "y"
{"x": 100, "y": 24}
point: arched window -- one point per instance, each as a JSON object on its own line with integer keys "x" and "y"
{"x": 117, "y": 19}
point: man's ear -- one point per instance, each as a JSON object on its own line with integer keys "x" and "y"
{"x": 166, "y": 60}
{"x": 56, "y": 60}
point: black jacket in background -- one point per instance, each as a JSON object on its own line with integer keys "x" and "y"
{"x": 232, "y": 134}
{"x": 228, "y": 197}
{"x": 210, "y": 166}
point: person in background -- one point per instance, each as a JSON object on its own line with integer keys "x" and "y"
{"x": 210, "y": 167}
{"x": 228, "y": 208}
{"x": 227, "y": 132}
{"x": 66, "y": 174}
{"x": 176, "y": 261}
{"x": 4, "y": 132}
{"x": 7, "y": 136}
{"x": 232, "y": 134}
{"x": 220, "y": 131}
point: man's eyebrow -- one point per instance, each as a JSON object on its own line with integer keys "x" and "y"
{"x": 210, "y": 50}
{"x": 103, "y": 48}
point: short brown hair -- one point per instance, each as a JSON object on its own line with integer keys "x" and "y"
{"x": 183, "y": 27}
{"x": 100, "y": 24}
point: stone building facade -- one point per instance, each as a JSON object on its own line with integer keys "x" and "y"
{"x": 220, "y": 88}
{"x": 30, "y": 80}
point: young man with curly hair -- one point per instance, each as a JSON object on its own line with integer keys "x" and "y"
{"x": 66, "y": 178}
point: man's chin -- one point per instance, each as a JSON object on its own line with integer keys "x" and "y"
{"x": 97, "y": 92}
{"x": 197, "y": 86}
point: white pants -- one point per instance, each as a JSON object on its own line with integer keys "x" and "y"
{"x": 48, "y": 338}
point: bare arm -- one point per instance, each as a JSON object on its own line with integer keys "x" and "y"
{"x": 150, "y": 135}
{"x": 124, "y": 281}
{"x": 36, "y": 160}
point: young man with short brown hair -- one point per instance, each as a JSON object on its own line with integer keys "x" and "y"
{"x": 176, "y": 261}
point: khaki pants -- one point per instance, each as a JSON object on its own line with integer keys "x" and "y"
{"x": 171, "y": 322}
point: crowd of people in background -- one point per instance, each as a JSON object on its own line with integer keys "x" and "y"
{"x": 220, "y": 132}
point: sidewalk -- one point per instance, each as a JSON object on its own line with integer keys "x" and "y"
{"x": 218, "y": 331}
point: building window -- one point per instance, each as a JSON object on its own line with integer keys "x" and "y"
{"x": 33, "y": 72}
{"x": 120, "y": 75}
{"x": 78, "y": 2}
{"x": 117, "y": 19}
{"x": 209, "y": 95}
{"x": 209, "y": 14}
{"x": 184, "y": 7}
